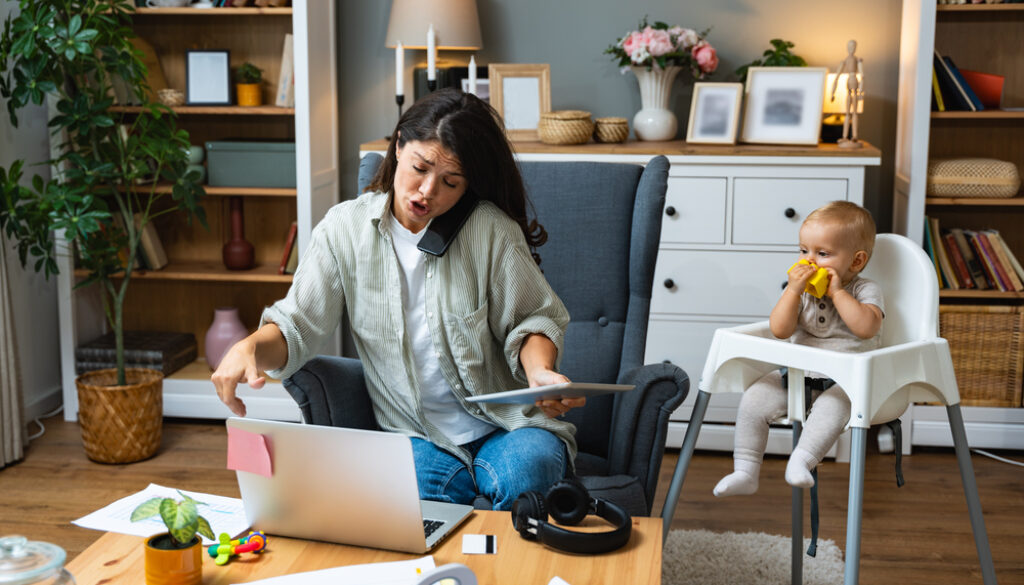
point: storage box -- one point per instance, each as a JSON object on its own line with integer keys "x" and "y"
{"x": 250, "y": 164}
{"x": 987, "y": 343}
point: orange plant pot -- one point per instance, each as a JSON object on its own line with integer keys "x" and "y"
{"x": 174, "y": 567}
{"x": 248, "y": 94}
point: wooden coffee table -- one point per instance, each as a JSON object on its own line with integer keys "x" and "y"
{"x": 116, "y": 559}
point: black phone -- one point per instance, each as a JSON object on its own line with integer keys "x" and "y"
{"x": 442, "y": 231}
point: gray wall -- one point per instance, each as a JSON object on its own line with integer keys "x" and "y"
{"x": 34, "y": 297}
{"x": 571, "y": 36}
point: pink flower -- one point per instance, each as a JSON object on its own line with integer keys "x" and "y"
{"x": 658, "y": 41}
{"x": 706, "y": 57}
{"x": 685, "y": 37}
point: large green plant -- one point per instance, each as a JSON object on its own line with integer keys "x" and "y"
{"x": 777, "y": 56}
{"x": 106, "y": 166}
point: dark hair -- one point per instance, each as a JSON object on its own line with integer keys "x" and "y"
{"x": 469, "y": 128}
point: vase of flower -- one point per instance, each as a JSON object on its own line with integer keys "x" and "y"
{"x": 226, "y": 330}
{"x": 655, "y": 121}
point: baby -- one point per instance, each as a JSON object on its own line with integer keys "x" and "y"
{"x": 838, "y": 237}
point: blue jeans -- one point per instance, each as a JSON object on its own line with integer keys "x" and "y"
{"x": 505, "y": 464}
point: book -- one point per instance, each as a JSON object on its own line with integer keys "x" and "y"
{"x": 930, "y": 248}
{"x": 948, "y": 274}
{"x": 164, "y": 351}
{"x": 149, "y": 244}
{"x": 937, "y": 93}
{"x": 954, "y": 97}
{"x": 977, "y": 273}
{"x": 1009, "y": 254}
{"x": 989, "y": 261}
{"x": 965, "y": 87}
{"x": 289, "y": 244}
{"x": 963, "y": 275}
{"x": 293, "y": 261}
{"x": 986, "y": 268}
{"x": 995, "y": 241}
{"x": 285, "y": 95}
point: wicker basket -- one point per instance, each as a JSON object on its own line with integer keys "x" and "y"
{"x": 987, "y": 343}
{"x": 565, "y": 127}
{"x": 611, "y": 130}
{"x": 972, "y": 177}
{"x": 120, "y": 424}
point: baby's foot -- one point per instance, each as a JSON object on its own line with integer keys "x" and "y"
{"x": 741, "y": 482}
{"x": 798, "y": 470}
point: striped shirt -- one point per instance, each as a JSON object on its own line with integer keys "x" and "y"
{"x": 483, "y": 297}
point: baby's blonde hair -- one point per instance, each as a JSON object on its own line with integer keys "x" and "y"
{"x": 856, "y": 224}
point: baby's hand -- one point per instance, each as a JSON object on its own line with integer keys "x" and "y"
{"x": 835, "y": 284}
{"x": 799, "y": 275}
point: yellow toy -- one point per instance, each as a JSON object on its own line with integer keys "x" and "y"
{"x": 818, "y": 284}
{"x": 254, "y": 542}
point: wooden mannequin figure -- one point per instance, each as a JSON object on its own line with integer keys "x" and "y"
{"x": 853, "y": 66}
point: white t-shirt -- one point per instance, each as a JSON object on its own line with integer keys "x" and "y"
{"x": 440, "y": 406}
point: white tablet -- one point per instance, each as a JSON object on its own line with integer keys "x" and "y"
{"x": 551, "y": 392}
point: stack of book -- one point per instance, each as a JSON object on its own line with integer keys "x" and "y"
{"x": 158, "y": 350}
{"x": 972, "y": 259}
{"x": 952, "y": 91}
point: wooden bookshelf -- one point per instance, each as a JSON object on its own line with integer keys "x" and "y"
{"x": 215, "y": 110}
{"x": 210, "y": 271}
{"x": 979, "y": 7}
{"x": 244, "y": 191}
{"x": 982, "y": 115}
{"x": 207, "y": 12}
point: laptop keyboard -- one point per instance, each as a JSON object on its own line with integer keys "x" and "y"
{"x": 429, "y": 526}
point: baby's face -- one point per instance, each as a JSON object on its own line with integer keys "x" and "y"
{"x": 822, "y": 243}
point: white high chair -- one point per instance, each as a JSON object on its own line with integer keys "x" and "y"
{"x": 912, "y": 364}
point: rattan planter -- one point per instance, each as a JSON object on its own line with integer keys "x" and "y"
{"x": 611, "y": 129}
{"x": 120, "y": 424}
{"x": 565, "y": 127}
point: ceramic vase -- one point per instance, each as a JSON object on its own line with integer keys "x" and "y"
{"x": 227, "y": 329}
{"x": 655, "y": 121}
{"x": 238, "y": 253}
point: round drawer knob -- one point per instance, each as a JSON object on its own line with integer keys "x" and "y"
{"x": 670, "y": 211}
{"x": 790, "y": 212}
{"x": 669, "y": 283}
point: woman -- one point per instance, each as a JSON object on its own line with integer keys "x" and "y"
{"x": 470, "y": 315}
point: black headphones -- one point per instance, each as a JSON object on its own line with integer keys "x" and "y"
{"x": 568, "y": 503}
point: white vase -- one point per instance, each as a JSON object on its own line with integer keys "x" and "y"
{"x": 655, "y": 121}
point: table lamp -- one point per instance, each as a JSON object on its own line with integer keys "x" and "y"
{"x": 432, "y": 25}
{"x": 832, "y": 125}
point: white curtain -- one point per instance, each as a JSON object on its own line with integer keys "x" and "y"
{"x": 12, "y": 429}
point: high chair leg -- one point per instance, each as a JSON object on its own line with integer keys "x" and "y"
{"x": 796, "y": 575}
{"x": 700, "y": 406}
{"x": 963, "y": 457}
{"x": 855, "y": 504}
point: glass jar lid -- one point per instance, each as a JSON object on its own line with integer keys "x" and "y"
{"x": 23, "y": 561}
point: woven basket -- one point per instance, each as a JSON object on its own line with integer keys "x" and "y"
{"x": 120, "y": 424}
{"x": 565, "y": 127}
{"x": 972, "y": 177}
{"x": 987, "y": 344}
{"x": 611, "y": 130}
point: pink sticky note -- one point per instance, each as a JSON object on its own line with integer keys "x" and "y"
{"x": 248, "y": 451}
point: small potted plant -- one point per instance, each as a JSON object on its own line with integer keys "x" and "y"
{"x": 247, "y": 85}
{"x": 174, "y": 557}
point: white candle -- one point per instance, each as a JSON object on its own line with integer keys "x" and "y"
{"x": 472, "y": 74}
{"x": 431, "y": 57}
{"x": 399, "y": 69}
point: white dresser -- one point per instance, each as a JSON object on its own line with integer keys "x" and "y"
{"x": 732, "y": 214}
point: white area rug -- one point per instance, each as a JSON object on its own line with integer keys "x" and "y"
{"x": 700, "y": 557}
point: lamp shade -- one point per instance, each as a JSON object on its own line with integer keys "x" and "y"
{"x": 456, "y": 24}
{"x": 839, "y": 105}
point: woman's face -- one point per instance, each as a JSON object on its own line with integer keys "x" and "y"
{"x": 428, "y": 182}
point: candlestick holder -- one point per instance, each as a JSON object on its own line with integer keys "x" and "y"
{"x": 400, "y": 99}
{"x": 431, "y": 84}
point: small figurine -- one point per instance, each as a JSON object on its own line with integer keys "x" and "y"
{"x": 254, "y": 542}
{"x": 818, "y": 283}
{"x": 853, "y": 66}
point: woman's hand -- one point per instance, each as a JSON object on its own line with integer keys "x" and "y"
{"x": 238, "y": 365}
{"x": 553, "y": 408}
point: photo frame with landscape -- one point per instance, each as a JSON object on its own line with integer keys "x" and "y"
{"x": 783, "y": 105}
{"x": 207, "y": 78}
{"x": 520, "y": 93}
{"x": 714, "y": 113}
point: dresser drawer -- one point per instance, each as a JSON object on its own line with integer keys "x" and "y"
{"x": 770, "y": 211}
{"x": 698, "y": 282}
{"x": 694, "y": 211}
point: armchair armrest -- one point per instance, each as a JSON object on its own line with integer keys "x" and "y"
{"x": 640, "y": 422}
{"x": 331, "y": 391}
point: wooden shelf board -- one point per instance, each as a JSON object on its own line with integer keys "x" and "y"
{"x": 200, "y": 370}
{"x": 215, "y": 110}
{"x": 980, "y": 294}
{"x": 979, "y": 7}
{"x": 188, "y": 11}
{"x": 208, "y": 271}
{"x": 976, "y": 201}
{"x": 982, "y": 115}
{"x": 245, "y": 191}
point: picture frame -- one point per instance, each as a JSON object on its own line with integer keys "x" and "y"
{"x": 208, "y": 77}
{"x": 782, "y": 105}
{"x": 520, "y": 93}
{"x": 714, "y": 113}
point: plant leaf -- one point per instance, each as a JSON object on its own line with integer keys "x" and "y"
{"x": 146, "y": 509}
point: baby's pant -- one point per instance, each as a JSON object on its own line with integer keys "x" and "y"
{"x": 766, "y": 401}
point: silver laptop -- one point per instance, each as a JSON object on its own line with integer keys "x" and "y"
{"x": 342, "y": 485}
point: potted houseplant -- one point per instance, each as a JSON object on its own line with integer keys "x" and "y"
{"x": 174, "y": 557}
{"x": 777, "y": 56}
{"x": 104, "y": 188}
{"x": 247, "y": 85}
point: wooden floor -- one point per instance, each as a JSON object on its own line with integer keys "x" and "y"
{"x": 919, "y": 533}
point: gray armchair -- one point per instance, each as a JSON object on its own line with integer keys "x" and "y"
{"x": 603, "y": 223}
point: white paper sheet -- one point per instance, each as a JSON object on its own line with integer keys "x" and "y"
{"x": 224, "y": 514}
{"x": 394, "y": 573}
